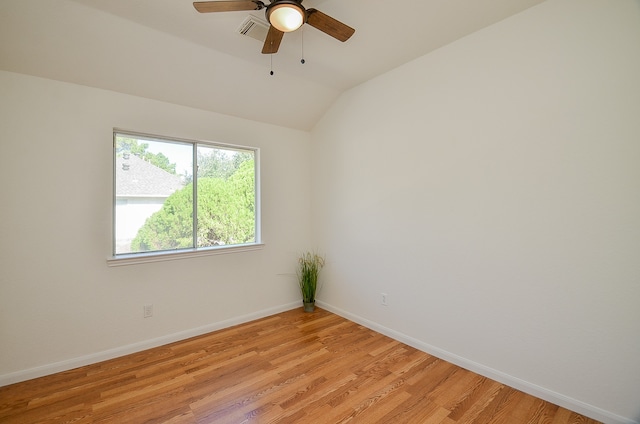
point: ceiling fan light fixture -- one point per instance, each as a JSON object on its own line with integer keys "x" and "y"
{"x": 286, "y": 16}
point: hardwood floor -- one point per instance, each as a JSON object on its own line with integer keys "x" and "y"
{"x": 288, "y": 368}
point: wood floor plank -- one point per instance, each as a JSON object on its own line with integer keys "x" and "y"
{"x": 456, "y": 388}
{"x": 497, "y": 412}
{"x": 477, "y": 395}
{"x": 482, "y": 399}
{"x": 416, "y": 409}
{"x": 293, "y": 367}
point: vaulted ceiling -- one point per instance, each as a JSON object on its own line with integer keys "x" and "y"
{"x": 166, "y": 50}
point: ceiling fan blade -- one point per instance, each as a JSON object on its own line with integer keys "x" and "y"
{"x": 272, "y": 42}
{"x": 227, "y": 6}
{"x": 329, "y": 25}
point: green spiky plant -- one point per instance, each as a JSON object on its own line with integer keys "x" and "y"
{"x": 309, "y": 265}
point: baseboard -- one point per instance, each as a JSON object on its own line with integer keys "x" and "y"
{"x": 509, "y": 380}
{"x": 56, "y": 367}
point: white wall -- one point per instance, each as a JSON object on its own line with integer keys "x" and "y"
{"x": 60, "y": 304}
{"x": 492, "y": 190}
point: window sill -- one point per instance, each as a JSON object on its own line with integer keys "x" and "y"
{"x": 143, "y": 258}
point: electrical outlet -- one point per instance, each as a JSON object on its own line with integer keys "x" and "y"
{"x": 384, "y": 299}
{"x": 148, "y": 310}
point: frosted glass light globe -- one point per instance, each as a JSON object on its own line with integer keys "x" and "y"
{"x": 286, "y": 17}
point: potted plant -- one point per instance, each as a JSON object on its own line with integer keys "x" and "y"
{"x": 309, "y": 265}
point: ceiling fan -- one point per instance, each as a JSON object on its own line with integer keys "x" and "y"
{"x": 283, "y": 16}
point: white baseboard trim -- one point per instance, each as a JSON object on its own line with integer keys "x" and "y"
{"x": 18, "y": 376}
{"x": 509, "y": 380}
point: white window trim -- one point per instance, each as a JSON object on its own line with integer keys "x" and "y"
{"x": 170, "y": 255}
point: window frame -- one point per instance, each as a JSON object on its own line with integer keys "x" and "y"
{"x": 167, "y": 255}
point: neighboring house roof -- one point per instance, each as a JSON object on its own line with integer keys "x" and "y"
{"x": 137, "y": 178}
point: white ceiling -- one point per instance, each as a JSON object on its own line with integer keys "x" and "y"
{"x": 165, "y": 50}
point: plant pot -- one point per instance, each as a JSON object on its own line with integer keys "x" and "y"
{"x": 309, "y": 306}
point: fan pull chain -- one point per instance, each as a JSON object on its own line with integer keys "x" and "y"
{"x": 302, "y": 44}
{"x": 271, "y": 58}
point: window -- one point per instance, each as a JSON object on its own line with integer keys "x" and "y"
{"x": 178, "y": 196}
